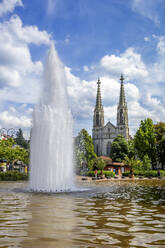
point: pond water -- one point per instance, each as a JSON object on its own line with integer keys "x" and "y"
{"x": 113, "y": 214}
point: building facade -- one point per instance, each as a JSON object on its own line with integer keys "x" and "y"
{"x": 103, "y": 135}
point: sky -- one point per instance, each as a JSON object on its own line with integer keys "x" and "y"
{"x": 93, "y": 39}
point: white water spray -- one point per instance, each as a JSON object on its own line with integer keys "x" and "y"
{"x": 52, "y": 142}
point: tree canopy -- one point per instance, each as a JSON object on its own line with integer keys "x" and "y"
{"x": 85, "y": 149}
{"x": 145, "y": 141}
{"x": 13, "y": 153}
{"x": 20, "y": 140}
{"x": 119, "y": 149}
{"x": 160, "y": 142}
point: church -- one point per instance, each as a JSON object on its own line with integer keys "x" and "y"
{"x": 103, "y": 135}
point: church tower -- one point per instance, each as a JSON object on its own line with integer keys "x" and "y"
{"x": 122, "y": 112}
{"x": 98, "y": 122}
{"x": 98, "y": 118}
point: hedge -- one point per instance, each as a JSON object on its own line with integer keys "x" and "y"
{"x": 13, "y": 176}
{"x": 106, "y": 173}
{"x": 149, "y": 173}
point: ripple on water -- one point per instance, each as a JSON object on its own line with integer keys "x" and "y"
{"x": 116, "y": 215}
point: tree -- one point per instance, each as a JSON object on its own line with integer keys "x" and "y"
{"x": 13, "y": 153}
{"x": 119, "y": 149}
{"x": 133, "y": 164}
{"x": 146, "y": 162}
{"x": 145, "y": 141}
{"x": 160, "y": 142}
{"x": 131, "y": 149}
{"x": 20, "y": 140}
{"x": 100, "y": 164}
{"x": 85, "y": 149}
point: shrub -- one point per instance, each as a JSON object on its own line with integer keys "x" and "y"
{"x": 143, "y": 173}
{"x": 106, "y": 173}
{"x": 126, "y": 174}
{"x": 13, "y": 176}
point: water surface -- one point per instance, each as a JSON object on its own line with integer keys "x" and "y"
{"x": 114, "y": 214}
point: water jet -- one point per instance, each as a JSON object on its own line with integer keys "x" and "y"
{"x": 51, "y": 162}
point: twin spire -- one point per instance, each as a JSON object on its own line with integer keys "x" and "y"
{"x": 98, "y": 98}
{"x": 122, "y": 101}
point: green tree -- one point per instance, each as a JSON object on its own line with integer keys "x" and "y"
{"x": 145, "y": 141}
{"x": 131, "y": 149}
{"x": 13, "y": 153}
{"x": 134, "y": 164}
{"x": 160, "y": 142}
{"x": 119, "y": 149}
{"x": 20, "y": 140}
{"x": 85, "y": 149}
{"x": 146, "y": 162}
{"x": 100, "y": 164}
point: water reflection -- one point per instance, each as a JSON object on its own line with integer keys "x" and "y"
{"x": 52, "y": 221}
{"x": 121, "y": 214}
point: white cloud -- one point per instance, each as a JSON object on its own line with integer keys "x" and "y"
{"x": 146, "y": 39}
{"x": 8, "y": 120}
{"x": 147, "y": 8}
{"x": 86, "y": 68}
{"x": 9, "y": 6}
{"x": 51, "y": 6}
{"x": 130, "y": 63}
{"x": 16, "y": 65}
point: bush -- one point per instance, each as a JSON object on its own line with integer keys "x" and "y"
{"x": 126, "y": 174}
{"x": 13, "y": 176}
{"x": 106, "y": 173}
{"x": 143, "y": 173}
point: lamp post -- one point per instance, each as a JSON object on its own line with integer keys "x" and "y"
{"x": 8, "y": 132}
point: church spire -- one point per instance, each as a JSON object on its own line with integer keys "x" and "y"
{"x": 122, "y": 112}
{"x": 122, "y": 101}
{"x": 98, "y": 98}
{"x": 98, "y": 118}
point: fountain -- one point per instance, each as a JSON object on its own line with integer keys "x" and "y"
{"x": 51, "y": 162}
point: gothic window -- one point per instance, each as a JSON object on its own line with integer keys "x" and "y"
{"x": 108, "y": 148}
{"x": 97, "y": 119}
{"x": 121, "y": 117}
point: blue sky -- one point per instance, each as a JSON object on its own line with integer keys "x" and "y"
{"x": 93, "y": 39}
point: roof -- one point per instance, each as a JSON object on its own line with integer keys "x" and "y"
{"x": 109, "y": 161}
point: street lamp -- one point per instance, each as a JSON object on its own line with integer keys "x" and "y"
{"x": 8, "y": 132}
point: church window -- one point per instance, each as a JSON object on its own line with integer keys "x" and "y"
{"x": 121, "y": 117}
{"x": 108, "y": 148}
{"x": 97, "y": 119}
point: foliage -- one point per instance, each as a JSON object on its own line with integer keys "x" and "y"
{"x": 119, "y": 149}
{"x": 145, "y": 141}
{"x": 106, "y": 173}
{"x": 146, "y": 163}
{"x": 20, "y": 140}
{"x": 133, "y": 163}
{"x": 131, "y": 149}
{"x": 84, "y": 150}
{"x": 11, "y": 153}
{"x": 143, "y": 173}
{"x": 100, "y": 164}
{"x": 160, "y": 142}
{"x": 13, "y": 176}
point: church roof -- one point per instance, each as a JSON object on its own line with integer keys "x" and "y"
{"x": 110, "y": 124}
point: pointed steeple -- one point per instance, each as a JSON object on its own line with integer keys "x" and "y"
{"x": 122, "y": 112}
{"x": 122, "y": 101}
{"x": 98, "y": 118}
{"x": 98, "y": 98}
